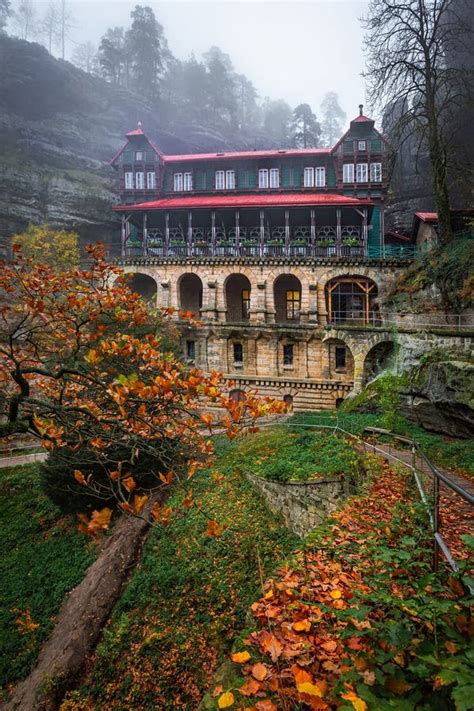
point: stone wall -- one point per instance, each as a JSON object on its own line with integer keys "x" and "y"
{"x": 303, "y": 505}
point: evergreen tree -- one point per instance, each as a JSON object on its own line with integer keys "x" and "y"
{"x": 305, "y": 129}
{"x": 195, "y": 89}
{"x": 5, "y": 12}
{"x": 221, "y": 87}
{"x": 333, "y": 119}
{"x": 113, "y": 57}
{"x": 276, "y": 121}
{"x": 148, "y": 51}
{"x": 247, "y": 107}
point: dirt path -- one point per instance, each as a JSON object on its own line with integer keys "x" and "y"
{"x": 456, "y": 516}
{"x": 81, "y": 618}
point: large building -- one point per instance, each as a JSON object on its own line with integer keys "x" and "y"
{"x": 279, "y": 253}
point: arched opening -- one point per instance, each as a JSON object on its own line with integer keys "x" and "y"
{"x": 351, "y": 300}
{"x": 288, "y": 400}
{"x": 190, "y": 293}
{"x": 287, "y": 297}
{"x": 237, "y": 395}
{"x": 340, "y": 360}
{"x": 378, "y": 359}
{"x": 143, "y": 285}
{"x": 237, "y": 296}
{"x": 339, "y": 401}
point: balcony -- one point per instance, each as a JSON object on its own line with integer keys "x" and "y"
{"x": 276, "y": 242}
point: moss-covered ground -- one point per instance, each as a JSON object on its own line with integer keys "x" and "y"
{"x": 43, "y": 557}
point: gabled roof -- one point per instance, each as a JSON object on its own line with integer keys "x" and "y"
{"x": 235, "y": 201}
{"x": 358, "y": 119}
{"x": 138, "y": 131}
{"x": 427, "y": 216}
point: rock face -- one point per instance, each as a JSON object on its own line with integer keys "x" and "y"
{"x": 441, "y": 397}
{"x": 59, "y": 128}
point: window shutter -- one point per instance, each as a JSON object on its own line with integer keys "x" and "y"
{"x": 286, "y": 177}
{"x": 127, "y": 156}
{"x": 199, "y": 178}
{"x": 376, "y": 145}
{"x": 296, "y": 177}
{"x": 252, "y": 179}
{"x": 243, "y": 178}
{"x": 348, "y": 147}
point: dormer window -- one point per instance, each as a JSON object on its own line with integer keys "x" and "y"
{"x": 139, "y": 155}
{"x": 362, "y": 145}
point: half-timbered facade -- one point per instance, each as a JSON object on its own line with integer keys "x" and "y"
{"x": 269, "y": 248}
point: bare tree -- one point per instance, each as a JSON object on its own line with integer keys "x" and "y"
{"x": 50, "y": 26}
{"x": 5, "y": 12}
{"x": 409, "y": 44}
{"x": 23, "y": 19}
{"x": 85, "y": 57}
{"x": 66, "y": 24}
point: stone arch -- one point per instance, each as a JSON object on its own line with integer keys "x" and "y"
{"x": 144, "y": 285}
{"x": 351, "y": 299}
{"x": 190, "y": 293}
{"x": 379, "y": 357}
{"x": 237, "y": 290}
{"x": 287, "y": 291}
{"x": 237, "y": 395}
{"x": 288, "y": 399}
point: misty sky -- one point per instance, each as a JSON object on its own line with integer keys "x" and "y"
{"x": 294, "y": 50}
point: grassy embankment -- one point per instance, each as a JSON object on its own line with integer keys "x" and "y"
{"x": 43, "y": 557}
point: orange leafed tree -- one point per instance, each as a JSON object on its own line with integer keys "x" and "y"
{"x": 87, "y": 368}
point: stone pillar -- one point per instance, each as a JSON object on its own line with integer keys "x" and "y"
{"x": 258, "y": 302}
{"x": 359, "y": 360}
{"x": 209, "y": 301}
{"x": 312, "y": 303}
{"x": 322, "y": 309}
{"x": 250, "y": 365}
{"x": 164, "y": 294}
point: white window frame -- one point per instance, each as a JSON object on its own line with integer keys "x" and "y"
{"x": 361, "y": 145}
{"x": 376, "y": 172}
{"x": 230, "y": 179}
{"x": 140, "y": 180}
{"x": 178, "y": 182}
{"x": 151, "y": 180}
{"x": 320, "y": 177}
{"x": 308, "y": 178}
{"x": 187, "y": 181}
{"x": 263, "y": 178}
{"x": 138, "y": 156}
{"x": 348, "y": 173}
{"x": 129, "y": 184}
{"x": 220, "y": 180}
{"x": 274, "y": 177}
{"x": 362, "y": 173}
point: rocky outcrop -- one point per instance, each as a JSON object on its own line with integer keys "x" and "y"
{"x": 59, "y": 128}
{"x": 440, "y": 397}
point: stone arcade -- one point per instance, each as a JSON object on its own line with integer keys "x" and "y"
{"x": 280, "y": 253}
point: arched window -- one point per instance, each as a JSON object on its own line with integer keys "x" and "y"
{"x": 143, "y": 285}
{"x": 288, "y": 400}
{"x": 237, "y": 395}
{"x": 190, "y": 293}
{"x": 287, "y": 295}
{"x": 351, "y": 300}
{"x": 237, "y": 295}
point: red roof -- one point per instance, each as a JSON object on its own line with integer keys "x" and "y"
{"x": 274, "y": 153}
{"x": 427, "y": 216}
{"x": 258, "y": 200}
{"x": 136, "y": 132}
{"x": 362, "y": 119}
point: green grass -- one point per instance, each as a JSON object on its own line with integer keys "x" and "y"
{"x": 454, "y": 454}
{"x": 284, "y": 454}
{"x": 178, "y": 616}
{"x": 43, "y": 558}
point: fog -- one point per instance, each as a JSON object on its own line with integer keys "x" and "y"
{"x": 294, "y": 50}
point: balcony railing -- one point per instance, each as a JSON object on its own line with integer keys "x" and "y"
{"x": 277, "y": 242}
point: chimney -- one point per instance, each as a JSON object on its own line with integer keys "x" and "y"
{"x": 361, "y": 106}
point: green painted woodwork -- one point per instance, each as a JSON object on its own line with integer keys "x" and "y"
{"x": 286, "y": 177}
{"x": 150, "y": 156}
{"x": 127, "y": 156}
{"x": 209, "y": 180}
{"x": 348, "y": 147}
{"x": 376, "y": 145}
{"x": 168, "y": 182}
{"x": 199, "y": 180}
{"x": 296, "y": 176}
{"x": 330, "y": 176}
{"x": 374, "y": 234}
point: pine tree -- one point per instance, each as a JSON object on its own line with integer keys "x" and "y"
{"x": 113, "y": 58}
{"x": 148, "y": 51}
{"x": 305, "y": 130}
{"x": 333, "y": 119}
{"x": 221, "y": 87}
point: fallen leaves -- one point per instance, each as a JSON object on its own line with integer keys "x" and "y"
{"x": 226, "y": 700}
{"x": 240, "y": 657}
